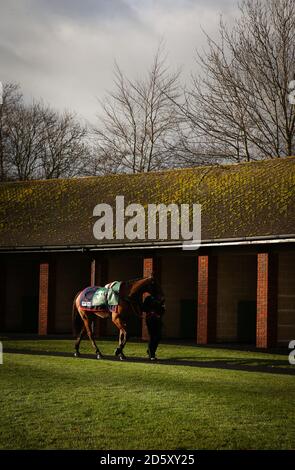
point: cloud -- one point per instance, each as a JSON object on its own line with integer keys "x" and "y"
{"x": 86, "y": 10}
{"x": 64, "y": 51}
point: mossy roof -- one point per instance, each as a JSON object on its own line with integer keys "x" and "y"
{"x": 246, "y": 200}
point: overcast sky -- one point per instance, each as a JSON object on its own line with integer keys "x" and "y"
{"x": 64, "y": 50}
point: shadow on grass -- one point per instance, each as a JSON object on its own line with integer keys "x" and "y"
{"x": 271, "y": 366}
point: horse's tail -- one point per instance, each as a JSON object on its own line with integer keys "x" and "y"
{"x": 77, "y": 321}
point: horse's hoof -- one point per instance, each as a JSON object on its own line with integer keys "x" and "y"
{"x": 120, "y": 354}
{"x": 99, "y": 356}
{"x": 77, "y": 354}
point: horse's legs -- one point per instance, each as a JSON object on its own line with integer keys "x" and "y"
{"x": 122, "y": 336}
{"x": 91, "y": 336}
{"x": 78, "y": 341}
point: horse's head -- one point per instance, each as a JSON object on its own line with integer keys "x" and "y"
{"x": 148, "y": 285}
{"x": 153, "y": 287}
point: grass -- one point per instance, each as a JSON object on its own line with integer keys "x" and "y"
{"x": 60, "y": 402}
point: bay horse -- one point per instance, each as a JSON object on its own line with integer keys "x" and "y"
{"x": 130, "y": 302}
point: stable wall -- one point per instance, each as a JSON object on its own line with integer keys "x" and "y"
{"x": 286, "y": 297}
{"x": 237, "y": 278}
{"x": 179, "y": 283}
{"x": 21, "y": 294}
{"x": 72, "y": 274}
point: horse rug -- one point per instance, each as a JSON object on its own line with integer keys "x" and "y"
{"x": 95, "y": 298}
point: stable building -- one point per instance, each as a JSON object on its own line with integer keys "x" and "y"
{"x": 239, "y": 286}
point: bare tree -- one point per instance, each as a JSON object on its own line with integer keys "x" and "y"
{"x": 39, "y": 142}
{"x": 139, "y": 120}
{"x": 64, "y": 148}
{"x": 238, "y": 106}
{"x": 12, "y": 96}
{"x": 24, "y": 140}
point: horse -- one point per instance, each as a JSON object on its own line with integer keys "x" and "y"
{"x": 130, "y": 302}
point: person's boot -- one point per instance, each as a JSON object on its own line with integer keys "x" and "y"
{"x": 152, "y": 355}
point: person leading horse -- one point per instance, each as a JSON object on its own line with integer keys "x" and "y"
{"x": 130, "y": 302}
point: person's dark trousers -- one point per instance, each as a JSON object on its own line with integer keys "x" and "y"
{"x": 154, "y": 325}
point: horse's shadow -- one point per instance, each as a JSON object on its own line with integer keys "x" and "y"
{"x": 275, "y": 366}
{"x": 231, "y": 360}
{"x": 271, "y": 366}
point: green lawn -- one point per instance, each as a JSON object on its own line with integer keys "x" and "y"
{"x": 52, "y": 402}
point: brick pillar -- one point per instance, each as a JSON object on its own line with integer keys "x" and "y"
{"x": 93, "y": 272}
{"x": 148, "y": 266}
{"x": 99, "y": 277}
{"x": 267, "y": 290}
{"x": 3, "y": 275}
{"x": 151, "y": 265}
{"x": 207, "y": 299}
{"x": 43, "y": 298}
